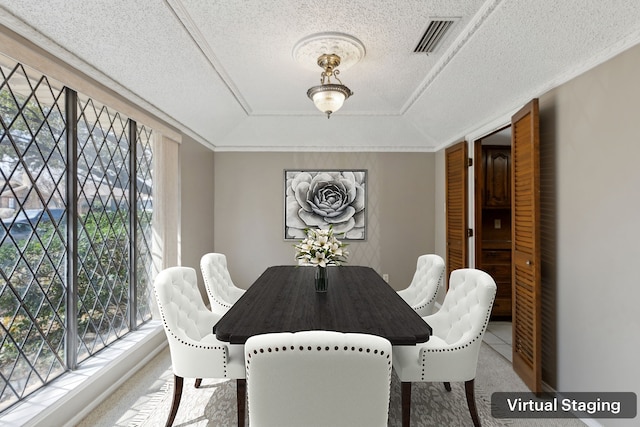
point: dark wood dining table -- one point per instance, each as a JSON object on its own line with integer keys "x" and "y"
{"x": 283, "y": 299}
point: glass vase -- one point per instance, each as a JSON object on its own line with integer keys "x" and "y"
{"x": 322, "y": 279}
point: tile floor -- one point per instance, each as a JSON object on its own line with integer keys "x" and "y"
{"x": 498, "y": 336}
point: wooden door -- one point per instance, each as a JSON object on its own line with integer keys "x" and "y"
{"x": 497, "y": 176}
{"x": 456, "y": 164}
{"x": 525, "y": 232}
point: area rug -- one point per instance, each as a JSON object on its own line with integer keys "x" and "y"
{"x": 214, "y": 404}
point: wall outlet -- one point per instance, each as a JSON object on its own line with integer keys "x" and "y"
{"x": 497, "y": 224}
{"x": 385, "y": 277}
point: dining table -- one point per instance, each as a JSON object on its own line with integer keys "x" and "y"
{"x": 284, "y": 299}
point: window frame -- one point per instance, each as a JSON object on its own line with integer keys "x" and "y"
{"x": 165, "y": 251}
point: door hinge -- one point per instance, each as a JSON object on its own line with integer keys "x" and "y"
{"x": 469, "y": 162}
{"x": 469, "y": 232}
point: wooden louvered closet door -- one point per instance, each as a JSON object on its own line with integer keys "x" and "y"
{"x": 456, "y": 164}
{"x": 525, "y": 205}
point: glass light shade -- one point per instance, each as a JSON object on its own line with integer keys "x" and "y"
{"x": 328, "y": 101}
{"x": 329, "y": 98}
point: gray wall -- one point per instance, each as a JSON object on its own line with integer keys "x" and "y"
{"x": 590, "y": 139}
{"x": 590, "y": 199}
{"x": 249, "y": 210}
{"x": 197, "y": 200}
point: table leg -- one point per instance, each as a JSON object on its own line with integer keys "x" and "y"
{"x": 241, "y": 399}
{"x": 406, "y": 404}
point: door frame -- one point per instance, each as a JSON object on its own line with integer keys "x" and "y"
{"x": 478, "y": 188}
{"x": 478, "y": 192}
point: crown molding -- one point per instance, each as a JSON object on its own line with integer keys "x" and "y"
{"x": 324, "y": 149}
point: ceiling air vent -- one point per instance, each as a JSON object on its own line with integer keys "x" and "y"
{"x": 435, "y": 32}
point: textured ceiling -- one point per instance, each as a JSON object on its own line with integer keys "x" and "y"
{"x": 223, "y": 72}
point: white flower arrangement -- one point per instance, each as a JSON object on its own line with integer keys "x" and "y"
{"x": 320, "y": 248}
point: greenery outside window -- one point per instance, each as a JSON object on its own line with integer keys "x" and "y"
{"x": 76, "y": 204}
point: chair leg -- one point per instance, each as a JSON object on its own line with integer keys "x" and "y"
{"x": 471, "y": 402}
{"x": 406, "y": 404}
{"x": 198, "y": 382}
{"x": 447, "y": 386}
{"x": 241, "y": 399}
{"x": 177, "y": 395}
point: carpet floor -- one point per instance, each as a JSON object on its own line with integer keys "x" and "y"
{"x": 214, "y": 405}
{"x": 144, "y": 400}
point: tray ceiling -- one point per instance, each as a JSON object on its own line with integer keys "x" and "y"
{"x": 224, "y": 72}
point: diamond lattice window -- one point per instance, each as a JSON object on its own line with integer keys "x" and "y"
{"x": 144, "y": 200}
{"x": 103, "y": 226}
{"x": 33, "y": 242}
{"x": 43, "y": 223}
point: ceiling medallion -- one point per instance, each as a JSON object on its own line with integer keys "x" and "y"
{"x": 329, "y": 50}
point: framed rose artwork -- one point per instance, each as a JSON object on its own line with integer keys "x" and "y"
{"x": 324, "y": 198}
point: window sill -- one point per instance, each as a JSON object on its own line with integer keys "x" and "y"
{"x": 69, "y": 398}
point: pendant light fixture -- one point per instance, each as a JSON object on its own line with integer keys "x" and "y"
{"x": 328, "y": 51}
{"x": 329, "y": 97}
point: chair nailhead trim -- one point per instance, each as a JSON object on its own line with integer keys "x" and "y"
{"x": 433, "y": 298}
{"x": 319, "y": 348}
{"x": 207, "y": 287}
{"x": 461, "y": 346}
{"x": 375, "y": 351}
{"x": 181, "y": 341}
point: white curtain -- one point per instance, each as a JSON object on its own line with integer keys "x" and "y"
{"x": 166, "y": 207}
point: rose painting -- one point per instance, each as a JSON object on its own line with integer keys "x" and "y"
{"x": 319, "y": 199}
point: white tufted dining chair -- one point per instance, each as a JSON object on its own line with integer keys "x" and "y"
{"x": 427, "y": 281}
{"x": 451, "y": 354}
{"x": 318, "y": 379}
{"x": 221, "y": 291}
{"x": 188, "y": 324}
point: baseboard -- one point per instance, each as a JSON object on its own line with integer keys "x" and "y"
{"x": 590, "y": 422}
